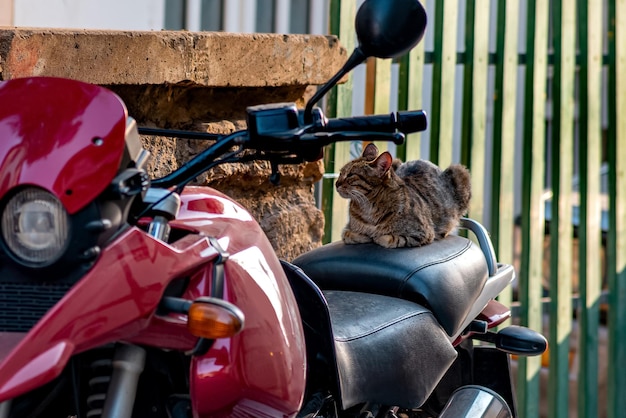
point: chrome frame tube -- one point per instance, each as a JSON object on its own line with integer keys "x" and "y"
{"x": 474, "y": 401}
{"x": 128, "y": 364}
{"x": 5, "y": 409}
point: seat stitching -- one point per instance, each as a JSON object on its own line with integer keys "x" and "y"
{"x": 382, "y": 326}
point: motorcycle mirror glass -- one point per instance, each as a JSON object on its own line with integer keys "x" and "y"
{"x": 389, "y": 29}
{"x": 385, "y": 29}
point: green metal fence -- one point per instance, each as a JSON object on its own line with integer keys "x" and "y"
{"x": 558, "y": 96}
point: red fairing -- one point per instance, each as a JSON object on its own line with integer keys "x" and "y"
{"x": 45, "y": 121}
{"x": 114, "y": 301}
{"x": 47, "y": 132}
{"x": 260, "y": 372}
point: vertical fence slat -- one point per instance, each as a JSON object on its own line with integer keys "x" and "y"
{"x": 247, "y": 16}
{"x": 316, "y": 17}
{"x": 339, "y": 104}
{"x": 505, "y": 107}
{"x": 283, "y": 13}
{"x": 382, "y": 90}
{"x": 533, "y": 213}
{"x": 340, "y": 205}
{"x": 473, "y": 130}
{"x": 383, "y": 86}
{"x": 410, "y": 80}
{"x": 193, "y": 15}
{"x": 444, "y": 54}
{"x": 230, "y": 16}
{"x": 411, "y": 74}
{"x": 617, "y": 209}
{"x": 590, "y": 271}
{"x": 561, "y": 223}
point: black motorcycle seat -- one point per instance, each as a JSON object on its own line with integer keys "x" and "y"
{"x": 388, "y": 350}
{"x": 446, "y": 276}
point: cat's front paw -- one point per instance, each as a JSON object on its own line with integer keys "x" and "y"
{"x": 400, "y": 241}
{"x": 390, "y": 241}
{"x": 350, "y": 237}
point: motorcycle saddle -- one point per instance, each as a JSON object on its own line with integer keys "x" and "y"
{"x": 446, "y": 276}
{"x": 389, "y": 351}
{"x": 368, "y": 347}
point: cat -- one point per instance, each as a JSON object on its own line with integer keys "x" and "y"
{"x": 397, "y": 204}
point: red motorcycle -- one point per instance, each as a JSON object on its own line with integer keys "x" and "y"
{"x": 122, "y": 295}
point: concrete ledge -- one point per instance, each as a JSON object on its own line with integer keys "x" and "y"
{"x": 211, "y": 59}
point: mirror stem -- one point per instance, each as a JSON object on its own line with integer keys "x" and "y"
{"x": 355, "y": 59}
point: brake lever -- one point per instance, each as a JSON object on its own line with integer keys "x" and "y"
{"x": 325, "y": 138}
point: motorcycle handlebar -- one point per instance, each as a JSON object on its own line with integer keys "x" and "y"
{"x": 405, "y": 121}
{"x": 277, "y": 133}
{"x": 325, "y": 138}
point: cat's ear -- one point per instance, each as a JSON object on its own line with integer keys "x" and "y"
{"x": 370, "y": 152}
{"x": 383, "y": 163}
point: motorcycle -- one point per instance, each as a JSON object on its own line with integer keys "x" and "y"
{"x": 122, "y": 295}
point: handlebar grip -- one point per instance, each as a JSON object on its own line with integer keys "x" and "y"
{"x": 405, "y": 121}
{"x": 412, "y": 121}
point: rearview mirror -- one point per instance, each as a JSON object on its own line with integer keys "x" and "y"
{"x": 389, "y": 29}
{"x": 385, "y": 29}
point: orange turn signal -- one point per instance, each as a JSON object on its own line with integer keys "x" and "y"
{"x": 214, "y": 318}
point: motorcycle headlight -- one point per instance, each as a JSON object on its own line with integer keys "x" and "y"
{"x": 35, "y": 227}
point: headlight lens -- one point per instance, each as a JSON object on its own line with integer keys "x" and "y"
{"x": 35, "y": 226}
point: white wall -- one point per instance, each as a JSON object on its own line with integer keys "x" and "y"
{"x": 6, "y": 12}
{"x": 238, "y": 15}
{"x": 92, "y": 14}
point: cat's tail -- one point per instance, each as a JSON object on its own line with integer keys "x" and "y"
{"x": 458, "y": 179}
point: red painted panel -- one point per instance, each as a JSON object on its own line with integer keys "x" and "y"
{"x": 114, "y": 301}
{"x": 264, "y": 367}
{"x": 260, "y": 369}
{"x": 48, "y": 126}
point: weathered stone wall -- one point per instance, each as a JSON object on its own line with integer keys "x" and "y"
{"x": 201, "y": 81}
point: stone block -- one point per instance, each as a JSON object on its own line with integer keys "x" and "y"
{"x": 209, "y": 59}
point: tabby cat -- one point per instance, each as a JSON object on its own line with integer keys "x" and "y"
{"x": 401, "y": 205}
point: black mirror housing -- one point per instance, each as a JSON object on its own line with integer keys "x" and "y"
{"x": 389, "y": 29}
